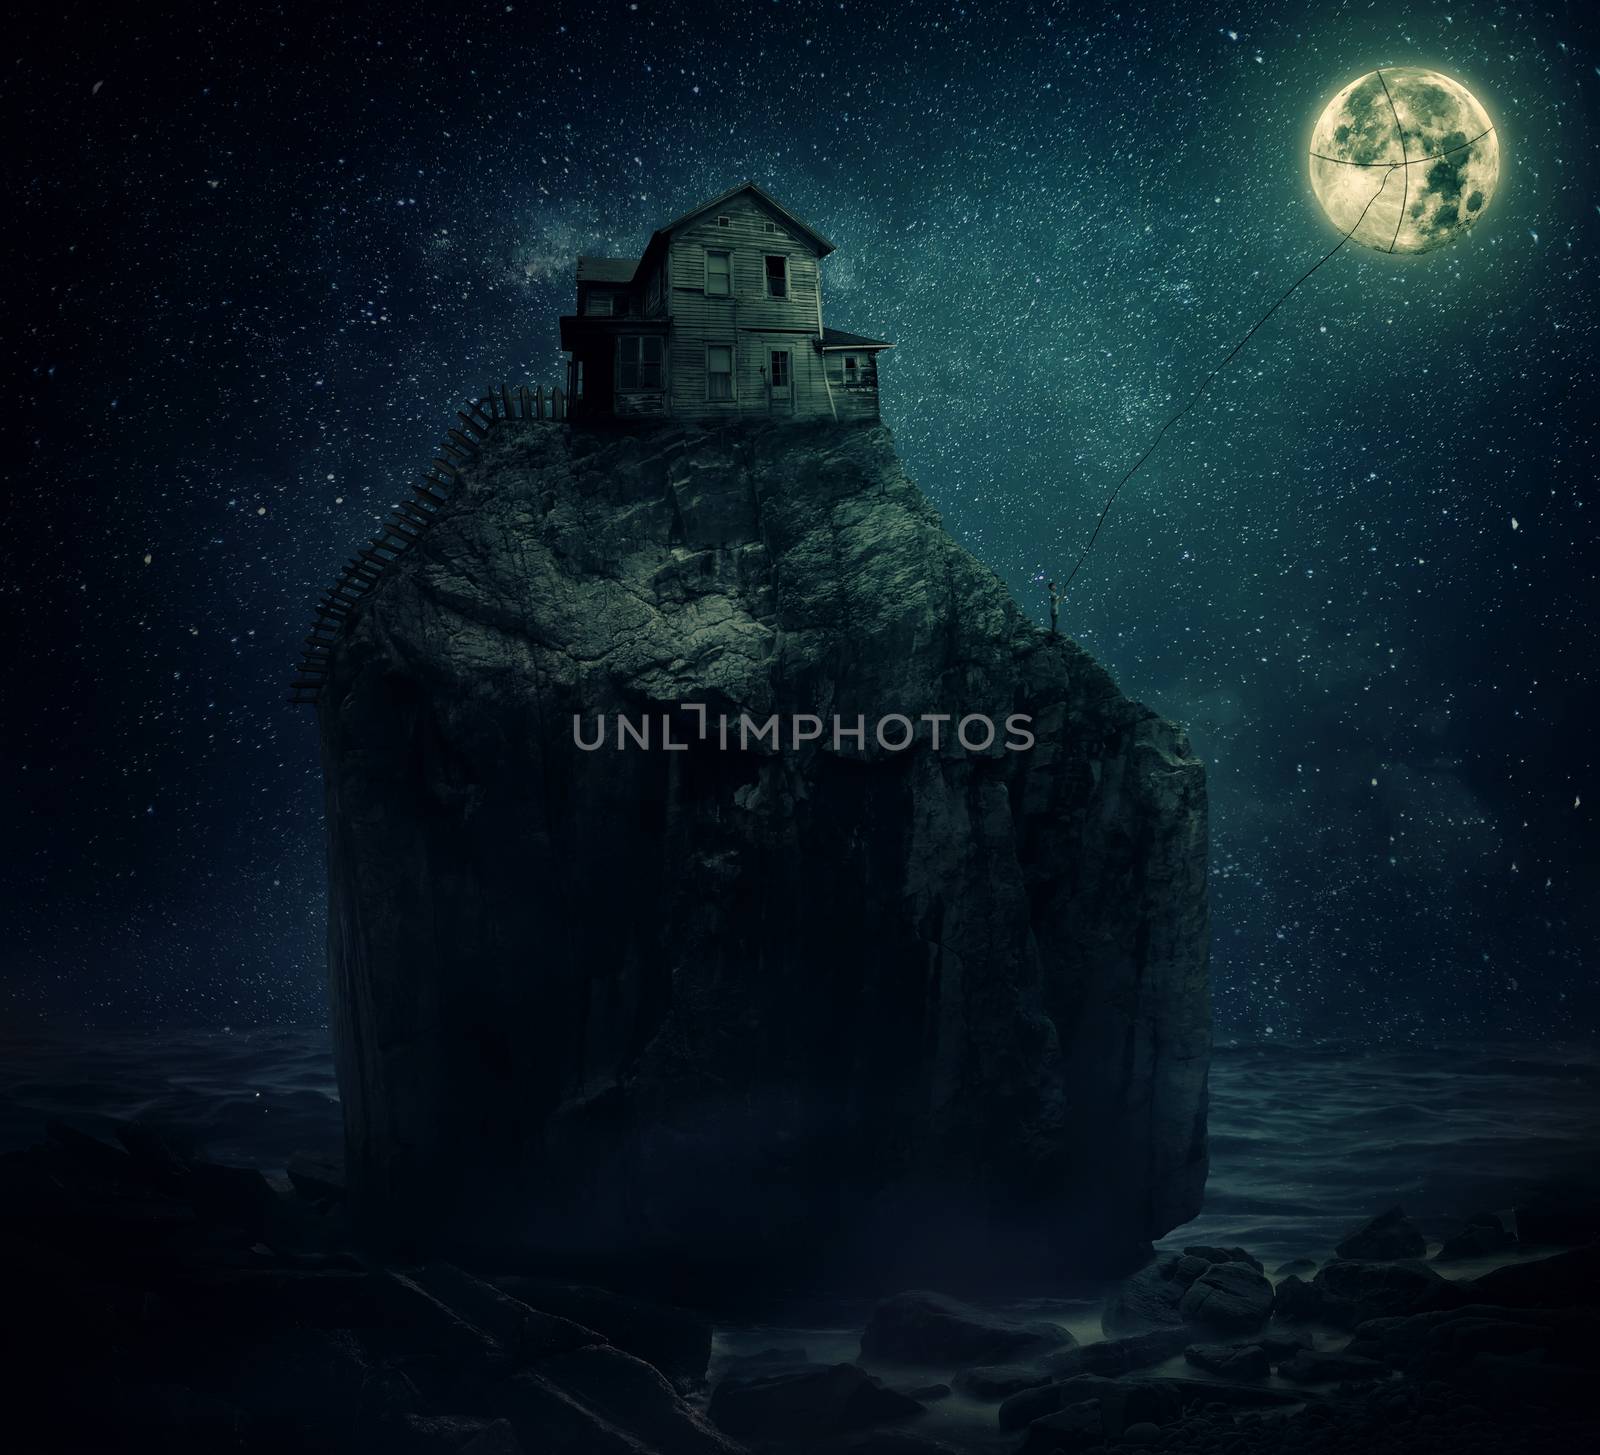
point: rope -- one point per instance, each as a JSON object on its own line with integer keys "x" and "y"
{"x": 1405, "y": 195}
{"x": 1206, "y": 383}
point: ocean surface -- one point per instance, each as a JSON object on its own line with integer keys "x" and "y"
{"x": 1305, "y": 1142}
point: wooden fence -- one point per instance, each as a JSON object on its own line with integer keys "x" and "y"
{"x": 411, "y": 518}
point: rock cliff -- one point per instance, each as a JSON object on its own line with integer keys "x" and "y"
{"x": 907, "y": 1011}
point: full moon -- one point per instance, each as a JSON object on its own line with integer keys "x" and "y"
{"x": 1406, "y": 157}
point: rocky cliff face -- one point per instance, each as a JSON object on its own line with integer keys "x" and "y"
{"x": 900, "y": 1010}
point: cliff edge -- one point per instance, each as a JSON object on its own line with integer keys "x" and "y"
{"x": 749, "y": 1006}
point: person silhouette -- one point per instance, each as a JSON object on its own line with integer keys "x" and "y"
{"x": 1055, "y": 605}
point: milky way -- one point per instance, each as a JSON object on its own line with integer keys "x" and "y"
{"x": 257, "y": 261}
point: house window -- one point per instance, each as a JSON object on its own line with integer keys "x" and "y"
{"x": 719, "y": 275}
{"x": 852, "y": 373}
{"x": 769, "y": 227}
{"x": 719, "y": 371}
{"x": 780, "y": 368}
{"x": 724, "y": 222}
{"x": 600, "y": 305}
{"x": 639, "y": 361}
{"x": 777, "y": 276}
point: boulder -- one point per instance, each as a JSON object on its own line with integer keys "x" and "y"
{"x": 1232, "y": 1361}
{"x": 559, "y": 1384}
{"x": 928, "y": 1328}
{"x": 674, "y": 1340}
{"x": 1312, "y": 1367}
{"x": 1281, "y": 1344}
{"x": 1118, "y": 1356}
{"x": 601, "y": 1401}
{"x": 1034, "y": 1404}
{"x": 1204, "y": 1392}
{"x": 1228, "y": 1298}
{"x": 1516, "y": 1385}
{"x": 1139, "y": 1401}
{"x": 1390, "y": 1235}
{"x": 1563, "y": 1281}
{"x": 1296, "y": 1266}
{"x": 1223, "y": 1255}
{"x": 781, "y": 1002}
{"x": 1346, "y": 1292}
{"x": 993, "y": 1382}
{"x": 1480, "y": 1239}
{"x": 1297, "y": 1301}
{"x": 1151, "y": 1297}
{"x": 821, "y": 1400}
{"x": 1432, "y": 1345}
{"x": 1065, "y": 1432}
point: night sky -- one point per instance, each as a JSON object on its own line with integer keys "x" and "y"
{"x": 257, "y": 256}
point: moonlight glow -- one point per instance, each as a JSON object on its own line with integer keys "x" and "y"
{"x": 1415, "y": 145}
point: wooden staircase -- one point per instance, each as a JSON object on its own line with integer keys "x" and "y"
{"x": 410, "y": 520}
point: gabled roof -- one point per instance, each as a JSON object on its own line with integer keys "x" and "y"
{"x": 662, "y": 235}
{"x": 837, "y": 338}
{"x": 626, "y": 270}
{"x": 822, "y": 245}
{"x": 606, "y": 270}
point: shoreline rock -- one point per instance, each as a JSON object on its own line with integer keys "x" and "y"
{"x": 1390, "y": 1235}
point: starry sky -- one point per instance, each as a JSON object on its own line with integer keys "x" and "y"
{"x": 256, "y": 256}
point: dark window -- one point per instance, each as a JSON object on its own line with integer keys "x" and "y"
{"x": 639, "y": 361}
{"x": 719, "y": 371}
{"x": 719, "y": 274}
{"x": 724, "y": 222}
{"x": 780, "y": 369}
{"x": 777, "y": 276}
{"x": 852, "y": 375}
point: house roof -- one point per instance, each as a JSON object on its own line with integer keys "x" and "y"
{"x": 606, "y": 270}
{"x": 660, "y": 237}
{"x": 822, "y": 245}
{"x": 837, "y": 338}
{"x": 625, "y": 270}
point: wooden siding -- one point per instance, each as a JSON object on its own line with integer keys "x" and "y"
{"x": 749, "y": 320}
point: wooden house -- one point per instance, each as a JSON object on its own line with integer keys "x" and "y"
{"x": 719, "y": 318}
